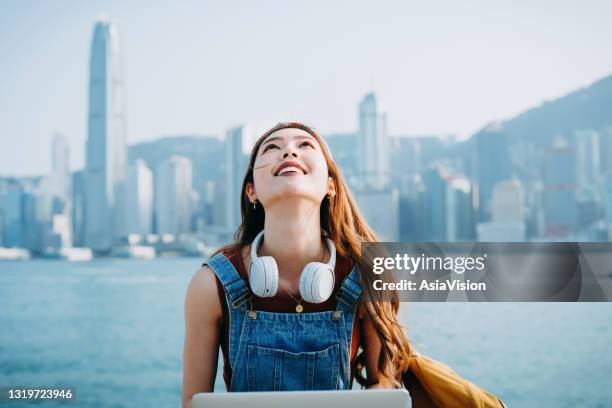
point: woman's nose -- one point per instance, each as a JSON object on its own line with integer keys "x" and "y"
{"x": 290, "y": 151}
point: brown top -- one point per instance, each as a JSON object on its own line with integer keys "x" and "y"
{"x": 282, "y": 303}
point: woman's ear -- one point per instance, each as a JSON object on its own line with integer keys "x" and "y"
{"x": 331, "y": 187}
{"x": 250, "y": 192}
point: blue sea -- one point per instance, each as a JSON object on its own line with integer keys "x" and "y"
{"x": 113, "y": 330}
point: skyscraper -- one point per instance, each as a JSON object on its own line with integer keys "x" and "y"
{"x": 588, "y": 166}
{"x": 381, "y": 208}
{"x": 560, "y": 190}
{"x": 459, "y": 210}
{"x": 139, "y": 199}
{"x": 373, "y": 157}
{"x": 606, "y": 152}
{"x": 608, "y": 207}
{"x": 56, "y": 197}
{"x": 105, "y": 167}
{"x": 78, "y": 207}
{"x": 492, "y": 164}
{"x": 405, "y": 159}
{"x": 507, "y": 214}
{"x": 60, "y": 174}
{"x": 173, "y": 185}
{"x": 236, "y": 162}
{"x": 508, "y": 201}
{"x": 13, "y": 217}
{"x": 449, "y": 209}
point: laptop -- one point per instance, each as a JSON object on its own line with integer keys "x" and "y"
{"x": 387, "y": 398}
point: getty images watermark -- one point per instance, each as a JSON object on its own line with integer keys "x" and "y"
{"x": 488, "y": 271}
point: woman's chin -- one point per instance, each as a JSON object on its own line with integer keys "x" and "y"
{"x": 296, "y": 193}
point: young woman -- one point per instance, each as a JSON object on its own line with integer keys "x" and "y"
{"x": 296, "y": 210}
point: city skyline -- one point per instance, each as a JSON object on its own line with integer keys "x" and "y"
{"x": 410, "y": 107}
{"x": 545, "y": 174}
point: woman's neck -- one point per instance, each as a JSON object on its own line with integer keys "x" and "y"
{"x": 292, "y": 235}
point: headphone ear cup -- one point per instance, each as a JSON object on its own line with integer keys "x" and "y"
{"x": 316, "y": 282}
{"x": 263, "y": 276}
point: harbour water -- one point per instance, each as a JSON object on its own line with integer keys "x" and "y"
{"x": 113, "y": 330}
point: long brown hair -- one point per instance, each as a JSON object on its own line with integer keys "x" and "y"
{"x": 347, "y": 228}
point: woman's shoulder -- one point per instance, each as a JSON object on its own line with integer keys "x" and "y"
{"x": 202, "y": 297}
{"x": 239, "y": 256}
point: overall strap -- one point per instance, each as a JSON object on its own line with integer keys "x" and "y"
{"x": 350, "y": 292}
{"x": 234, "y": 285}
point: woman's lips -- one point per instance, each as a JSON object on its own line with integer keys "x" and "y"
{"x": 290, "y": 174}
{"x": 290, "y": 168}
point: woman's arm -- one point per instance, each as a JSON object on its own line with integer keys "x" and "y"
{"x": 201, "y": 348}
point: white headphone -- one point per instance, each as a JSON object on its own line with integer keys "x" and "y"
{"x": 316, "y": 280}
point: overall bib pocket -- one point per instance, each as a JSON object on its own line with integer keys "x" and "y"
{"x": 271, "y": 369}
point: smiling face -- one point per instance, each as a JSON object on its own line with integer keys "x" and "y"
{"x": 289, "y": 163}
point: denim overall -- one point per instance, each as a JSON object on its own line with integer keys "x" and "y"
{"x": 271, "y": 351}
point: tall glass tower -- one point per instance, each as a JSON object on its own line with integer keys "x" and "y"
{"x": 105, "y": 168}
{"x": 236, "y": 164}
{"x": 372, "y": 144}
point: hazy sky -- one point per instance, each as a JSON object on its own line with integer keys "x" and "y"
{"x": 200, "y": 67}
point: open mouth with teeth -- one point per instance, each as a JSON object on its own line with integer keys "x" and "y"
{"x": 290, "y": 170}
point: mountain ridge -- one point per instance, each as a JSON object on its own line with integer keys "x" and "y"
{"x": 589, "y": 107}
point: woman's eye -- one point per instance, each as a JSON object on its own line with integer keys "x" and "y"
{"x": 306, "y": 144}
{"x": 268, "y": 147}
